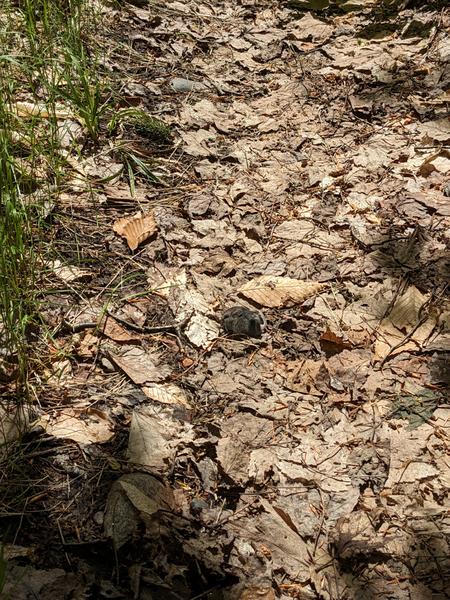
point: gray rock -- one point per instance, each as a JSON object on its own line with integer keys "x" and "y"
{"x": 179, "y": 84}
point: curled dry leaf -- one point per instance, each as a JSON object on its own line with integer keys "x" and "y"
{"x": 273, "y": 291}
{"x": 136, "y": 229}
{"x": 190, "y": 303}
{"x": 202, "y": 330}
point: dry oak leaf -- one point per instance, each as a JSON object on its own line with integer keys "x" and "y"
{"x": 274, "y": 291}
{"x": 136, "y": 229}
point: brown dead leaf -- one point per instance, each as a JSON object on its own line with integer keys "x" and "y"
{"x": 286, "y": 547}
{"x": 389, "y": 338}
{"x": 330, "y": 342}
{"x": 23, "y": 580}
{"x": 239, "y": 437}
{"x": 121, "y": 194}
{"x": 407, "y": 308}
{"x": 438, "y": 130}
{"x": 195, "y": 142}
{"x": 155, "y": 435}
{"x": 140, "y": 366}
{"x": 408, "y": 456}
{"x": 88, "y": 346}
{"x": 189, "y": 302}
{"x": 303, "y": 374}
{"x": 116, "y": 332}
{"x": 403, "y": 323}
{"x": 309, "y": 28}
{"x": 60, "y": 372}
{"x": 273, "y": 291}
{"x": 136, "y": 229}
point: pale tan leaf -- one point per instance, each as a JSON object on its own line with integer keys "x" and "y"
{"x": 389, "y": 338}
{"x": 31, "y": 109}
{"x": 398, "y": 326}
{"x": 14, "y": 420}
{"x": 195, "y": 142}
{"x": 60, "y": 372}
{"x": 167, "y": 394}
{"x": 155, "y": 437}
{"x": 274, "y": 291}
{"x": 201, "y": 330}
{"x": 407, "y": 308}
{"x": 88, "y": 346}
{"x": 122, "y": 194}
{"x": 139, "y": 500}
{"x": 140, "y": 366}
{"x": 136, "y": 229}
{"x": 68, "y": 273}
{"x": 85, "y": 426}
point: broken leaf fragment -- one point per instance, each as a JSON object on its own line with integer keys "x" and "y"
{"x": 274, "y": 291}
{"x": 136, "y": 229}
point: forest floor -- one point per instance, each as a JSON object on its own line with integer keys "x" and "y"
{"x": 306, "y": 176}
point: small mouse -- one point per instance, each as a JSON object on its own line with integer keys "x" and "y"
{"x": 243, "y": 321}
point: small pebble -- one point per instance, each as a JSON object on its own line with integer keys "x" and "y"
{"x": 446, "y": 189}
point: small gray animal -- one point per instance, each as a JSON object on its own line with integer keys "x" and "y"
{"x": 243, "y": 321}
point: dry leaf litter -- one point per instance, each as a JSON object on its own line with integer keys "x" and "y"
{"x": 306, "y": 185}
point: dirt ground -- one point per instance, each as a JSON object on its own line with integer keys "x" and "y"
{"x": 306, "y": 178}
